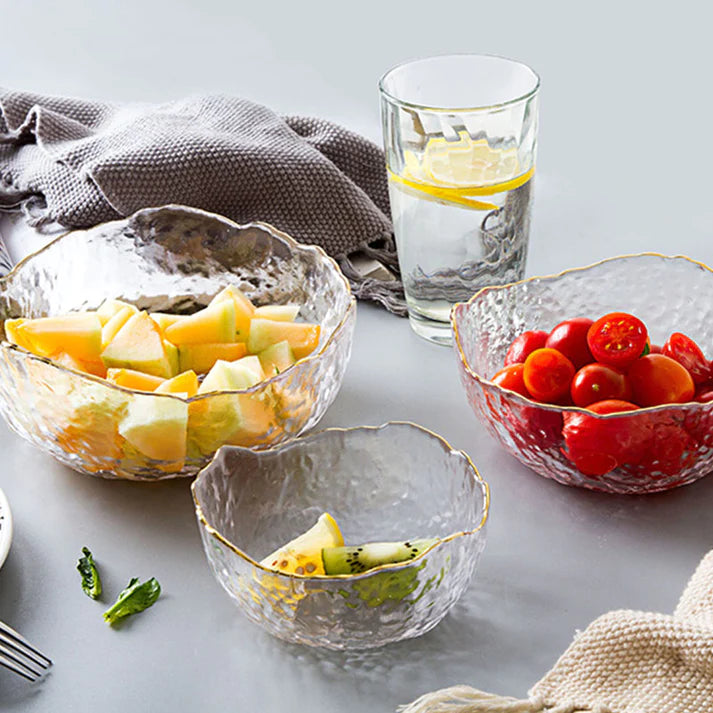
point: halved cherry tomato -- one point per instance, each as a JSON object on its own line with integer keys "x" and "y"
{"x": 617, "y": 339}
{"x": 511, "y": 378}
{"x": 570, "y": 338}
{"x": 548, "y": 375}
{"x": 657, "y": 379}
{"x": 524, "y": 345}
{"x": 599, "y": 382}
{"x": 597, "y": 446}
{"x": 689, "y": 355}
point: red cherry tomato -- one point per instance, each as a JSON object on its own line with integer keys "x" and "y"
{"x": 655, "y": 349}
{"x": 599, "y": 382}
{"x": 597, "y": 446}
{"x": 548, "y": 375}
{"x": 704, "y": 393}
{"x": 617, "y": 339}
{"x": 511, "y": 377}
{"x": 689, "y": 355}
{"x": 670, "y": 447}
{"x": 657, "y": 379}
{"x": 524, "y": 345}
{"x": 570, "y": 338}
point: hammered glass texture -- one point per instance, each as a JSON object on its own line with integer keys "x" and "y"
{"x": 670, "y": 294}
{"x": 170, "y": 259}
{"x": 392, "y": 483}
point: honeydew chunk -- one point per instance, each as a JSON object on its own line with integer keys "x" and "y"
{"x": 78, "y": 334}
{"x": 13, "y": 334}
{"x": 115, "y": 323}
{"x": 277, "y": 358}
{"x": 164, "y": 319}
{"x": 156, "y": 426}
{"x": 109, "y": 308}
{"x": 244, "y": 310}
{"x": 185, "y": 383}
{"x": 201, "y": 357}
{"x": 131, "y": 379}
{"x": 302, "y": 337}
{"x": 215, "y": 323}
{"x": 138, "y": 345}
{"x": 277, "y": 313}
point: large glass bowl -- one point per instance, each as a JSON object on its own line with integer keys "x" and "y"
{"x": 670, "y": 294}
{"x": 169, "y": 259}
{"x": 391, "y": 483}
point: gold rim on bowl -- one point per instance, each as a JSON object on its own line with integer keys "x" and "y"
{"x": 390, "y": 566}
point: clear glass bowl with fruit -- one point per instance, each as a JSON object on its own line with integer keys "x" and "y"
{"x": 392, "y": 522}
{"x": 598, "y": 377}
{"x": 137, "y": 348}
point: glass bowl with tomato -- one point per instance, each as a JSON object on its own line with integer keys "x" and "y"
{"x": 598, "y": 377}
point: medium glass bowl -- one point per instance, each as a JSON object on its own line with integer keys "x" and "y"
{"x": 391, "y": 483}
{"x": 670, "y": 294}
{"x": 169, "y": 259}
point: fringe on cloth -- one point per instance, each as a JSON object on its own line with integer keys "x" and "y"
{"x": 464, "y": 699}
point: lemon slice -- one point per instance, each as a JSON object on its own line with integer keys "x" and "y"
{"x": 456, "y": 171}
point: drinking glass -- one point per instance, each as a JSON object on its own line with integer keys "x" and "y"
{"x": 460, "y": 134}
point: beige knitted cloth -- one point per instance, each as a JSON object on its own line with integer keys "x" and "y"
{"x": 624, "y": 662}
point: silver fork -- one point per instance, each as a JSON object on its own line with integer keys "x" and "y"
{"x": 20, "y": 656}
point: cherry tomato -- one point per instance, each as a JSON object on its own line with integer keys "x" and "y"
{"x": 511, "y": 377}
{"x": 599, "y": 382}
{"x": 617, "y": 339}
{"x": 657, "y": 379}
{"x": 704, "y": 393}
{"x": 524, "y": 345}
{"x": 570, "y": 338}
{"x": 670, "y": 447}
{"x": 655, "y": 349}
{"x": 689, "y": 355}
{"x": 597, "y": 446}
{"x": 548, "y": 374}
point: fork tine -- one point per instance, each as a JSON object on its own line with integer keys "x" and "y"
{"x": 15, "y": 664}
{"x": 13, "y": 638}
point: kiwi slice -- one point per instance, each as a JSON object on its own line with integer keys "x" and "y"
{"x": 360, "y": 558}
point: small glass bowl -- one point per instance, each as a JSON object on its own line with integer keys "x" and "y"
{"x": 391, "y": 483}
{"x": 169, "y": 259}
{"x": 660, "y": 291}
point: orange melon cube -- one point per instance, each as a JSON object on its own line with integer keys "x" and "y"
{"x": 132, "y": 379}
{"x": 201, "y": 357}
{"x": 185, "y": 384}
{"x": 164, "y": 319}
{"x": 215, "y": 323}
{"x": 114, "y": 324}
{"x": 244, "y": 310}
{"x": 13, "y": 334}
{"x": 109, "y": 308}
{"x": 302, "y": 337}
{"x": 277, "y": 313}
{"x": 78, "y": 334}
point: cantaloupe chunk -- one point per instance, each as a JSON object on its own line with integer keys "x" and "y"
{"x": 184, "y": 383}
{"x": 276, "y": 358}
{"x": 244, "y": 310}
{"x": 277, "y": 313}
{"x": 131, "y": 379}
{"x": 302, "y": 337}
{"x": 13, "y": 334}
{"x": 138, "y": 345}
{"x": 201, "y": 357}
{"x": 156, "y": 426}
{"x": 109, "y": 308}
{"x": 96, "y": 368}
{"x": 164, "y": 319}
{"x": 172, "y": 356}
{"x": 78, "y": 334}
{"x": 232, "y": 375}
{"x": 215, "y": 323}
{"x": 115, "y": 323}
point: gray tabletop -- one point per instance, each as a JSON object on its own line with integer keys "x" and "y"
{"x": 624, "y": 166}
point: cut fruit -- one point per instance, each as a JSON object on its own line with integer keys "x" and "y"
{"x": 232, "y": 375}
{"x": 156, "y": 426}
{"x": 115, "y": 323}
{"x": 201, "y": 357}
{"x": 244, "y": 310}
{"x": 14, "y": 335}
{"x": 96, "y": 368}
{"x": 172, "y": 356}
{"x": 164, "y": 320}
{"x": 277, "y": 313}
{"x": 131, "y": 379}
{"x": 138, "y": 345}
{"x": 360, "y": 558}
{"x": 78, "y": 334}
{"x": 302, "y": 337}
{"x": 215, "y": 323}
{"x": 277, "y": 358}
{"x": 185, "y": 383}
{"x": 109, "y": 308}
{"x": 303, "y": 555}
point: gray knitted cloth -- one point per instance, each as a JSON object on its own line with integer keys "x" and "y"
{"x": 79, "y": 163}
